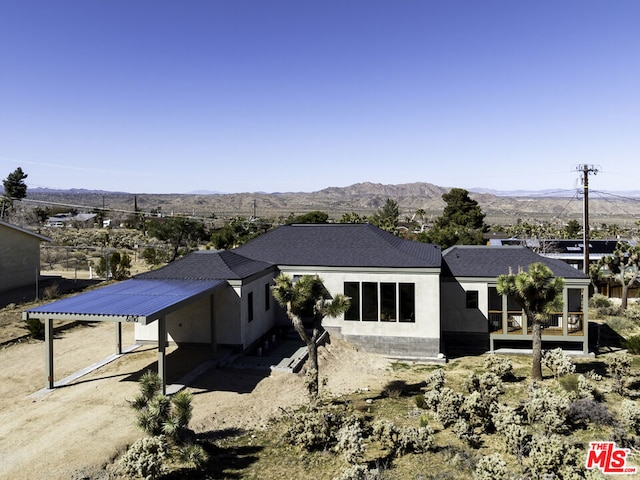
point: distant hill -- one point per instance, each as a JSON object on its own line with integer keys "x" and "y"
{"x": 362, "y": 198}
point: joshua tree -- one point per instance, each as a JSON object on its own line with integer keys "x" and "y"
{"x": 539, "y": 294}
{"x": 624, "y": 266}
{"x": 308, "y": 297}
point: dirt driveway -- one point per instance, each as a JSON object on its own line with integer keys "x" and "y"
{"x": 74, "y": 431}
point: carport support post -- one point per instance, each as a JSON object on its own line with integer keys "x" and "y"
{"x": 118, "y": 338}
{"x": 162, "y": 347}
{"x": 213, "y": 339}
{"x": 48, "y": 341}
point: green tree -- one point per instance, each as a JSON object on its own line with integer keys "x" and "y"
{"x": 387, "y": 216}
{"x": 315, "y": 216}
{"x": 352, "y": 217}
{"x": 119, "y": 266}
{"x": 307, "y": 297}
{"x": 461, "y": 222}
{"x": 14, "y": 189}
{"x": 539, "y": 294}
{"x": 624, "y": 266}
{"x": 181, "y": 233}
{"x": 572, "y": 229}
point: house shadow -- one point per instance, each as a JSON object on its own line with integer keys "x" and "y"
{"x": 602, "y": 338}
{"x": 227, "y": 462}
{"x": 196, "y": 368}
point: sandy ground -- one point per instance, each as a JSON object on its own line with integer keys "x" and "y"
{"x": 74, "y": 431}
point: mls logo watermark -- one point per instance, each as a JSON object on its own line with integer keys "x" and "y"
{"x": 608, "y": 458}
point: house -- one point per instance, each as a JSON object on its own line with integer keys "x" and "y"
{"x": 475, "y": 314}
{"x": 19, "y": 256}
{"x": 408, "y": 300}
{"x": 394, "y": 284}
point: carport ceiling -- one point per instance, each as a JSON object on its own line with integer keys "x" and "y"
{"x": 136, "y": 300}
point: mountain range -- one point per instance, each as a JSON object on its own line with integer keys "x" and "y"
{"x": 363, "y": 198}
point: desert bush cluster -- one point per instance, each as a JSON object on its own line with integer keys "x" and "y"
{"x": 511, "y": 428}
{"x": 166, "y": 422}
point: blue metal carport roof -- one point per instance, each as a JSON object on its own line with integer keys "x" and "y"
{"x": 135, "y": 300}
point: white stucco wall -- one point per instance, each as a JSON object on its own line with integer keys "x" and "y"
{"x": 192, "y": 324}
{"x": 19, "y": 258}
{"x": 427, "y": 302}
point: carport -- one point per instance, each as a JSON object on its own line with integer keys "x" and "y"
{"x": 136, "y": 300}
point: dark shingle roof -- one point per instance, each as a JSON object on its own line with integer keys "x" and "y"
{"x": 207, "y": 265}
{"x": 340, "y": 245}
{"x": 483, "y": 261}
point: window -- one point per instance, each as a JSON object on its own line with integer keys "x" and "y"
{"x": 250, "y": 306}
{"x": 380, "y": 302}
{"x": 472, "y": 299}
{"x": 369, "y": 302}
{"x": 352, "y": 290}
{"x": 388, "y": 302}
{"x": 407, "y": 302}
{"x": 267, "y": 296}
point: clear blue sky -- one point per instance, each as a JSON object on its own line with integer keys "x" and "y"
{"x": 272, "y": 95}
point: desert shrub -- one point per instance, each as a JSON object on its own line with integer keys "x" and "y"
{"x": 387, "y": 433}
{"x": 448, "y": 406}
{"x": 313, "y": 430}
{"x": 503, "y": 415}
{"x": 508, "y": 423}
{"x": 632, "y": 344}
{"x": 547, "y": 409}
{"x": 155, "y": 256}
{"x": 394, "y": 389}
{"x": 618, "y": 368}
{"x": 421, "y": 402}
{"x": 476, "y": 411}
{"x": 588, "y": 411}
{"x": 599, "y": 300}
{"x": 491, "y": 467}
{"x": 435, "y": 380}
{"x": 359, "y": 472}
{"x": 403, "y": 440}
{"x": 551, "y": 455}
{"x": 488, "y": 385}
{"x": 516, "y": 440}
{"x": 499, "y": 365}
{"x": 51, "y": 292}
{"x": 630, "y": 416}
{"x": 35, "y": 328}
{"x": 603, "y": 306}
{"x": 191, "y": 454}
{"x": 350, "y": 441}
{"x": 558, "y": 362}
{"x": 586, "y": 389}
{"x": 415, "y": 440}
{"x": 145, "y": 458}
{"x": 633, "y": 312}
{"x": 465, "y": 432}
{"x": 593, "y": 375}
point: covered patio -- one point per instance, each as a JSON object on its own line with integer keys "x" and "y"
{"x": 141, "y": 301}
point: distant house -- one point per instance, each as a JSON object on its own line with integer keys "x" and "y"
{"x": 567, "y": 250}
{"x": 68, "y": 219}
{"x": 476, "y": 315}
{"x": 19, "y": 256}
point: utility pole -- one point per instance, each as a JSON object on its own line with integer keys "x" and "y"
{"x": 586, "y": 170}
